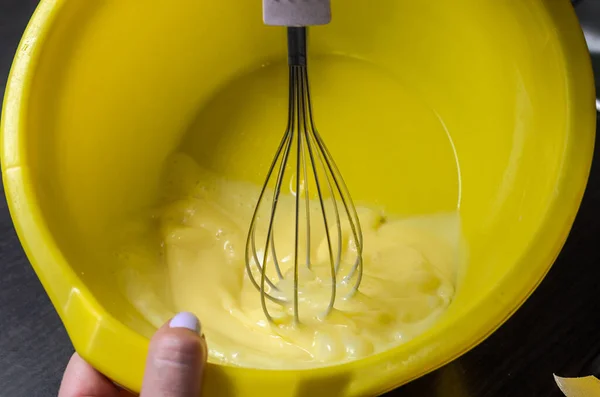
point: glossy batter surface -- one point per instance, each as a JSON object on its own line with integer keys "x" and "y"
{"x": 409, "y": 277}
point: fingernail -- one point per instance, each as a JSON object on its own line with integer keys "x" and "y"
{"x": 186, "y": 320}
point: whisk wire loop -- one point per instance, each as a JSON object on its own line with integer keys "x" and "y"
{"x": 332, "y": 202}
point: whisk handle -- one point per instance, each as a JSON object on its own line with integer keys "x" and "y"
{"x": 296, "y": 13}
{"x": 296, "y": 46}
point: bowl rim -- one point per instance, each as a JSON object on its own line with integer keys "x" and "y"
{"x": 91, "y": 327}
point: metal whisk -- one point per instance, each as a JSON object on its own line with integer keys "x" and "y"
{"x": 324, "y": 210}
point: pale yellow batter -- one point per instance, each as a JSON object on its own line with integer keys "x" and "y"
{"x": 410, "y": 268}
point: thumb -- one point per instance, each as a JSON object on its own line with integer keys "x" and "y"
{"x": 176, "y": 359}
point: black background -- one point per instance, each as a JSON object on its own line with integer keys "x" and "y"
{"x": 556, "y": 331}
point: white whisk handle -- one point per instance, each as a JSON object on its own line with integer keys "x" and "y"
{"x": 296, "y": 12}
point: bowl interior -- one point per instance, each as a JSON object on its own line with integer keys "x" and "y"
{"x": 427, "y": 106}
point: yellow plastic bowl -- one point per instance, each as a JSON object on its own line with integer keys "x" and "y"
{"x": 102, "y": 91}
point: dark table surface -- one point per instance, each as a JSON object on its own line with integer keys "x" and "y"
{"x": 556, "y": 331}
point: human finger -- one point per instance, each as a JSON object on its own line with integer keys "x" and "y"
{"x": 81, "y": 380}
{"x": 176, "y": 359}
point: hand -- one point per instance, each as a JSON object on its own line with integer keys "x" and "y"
{"x": 174, "y": 368}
